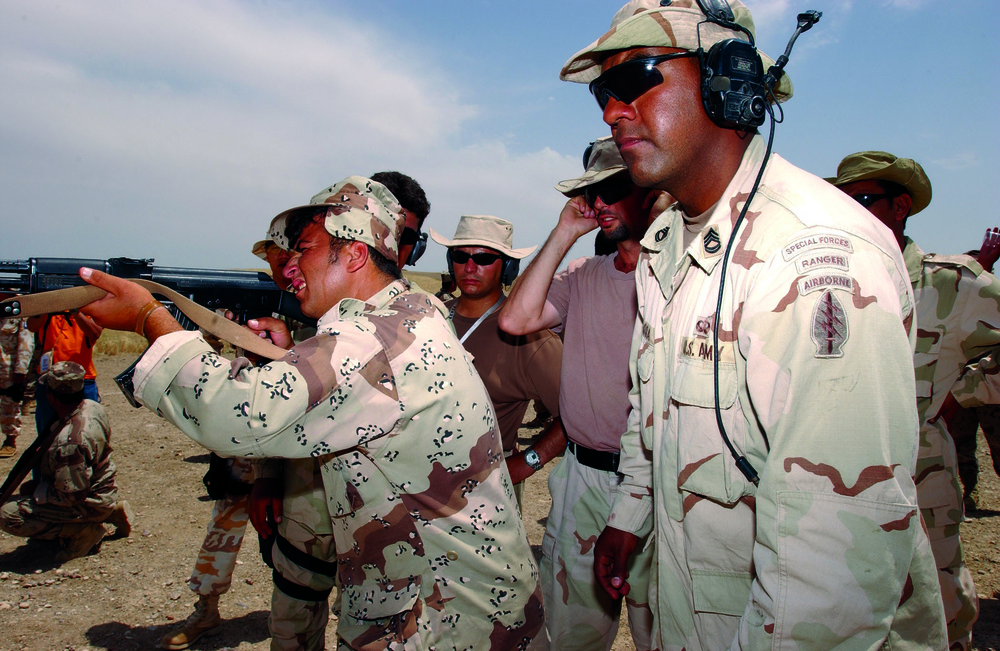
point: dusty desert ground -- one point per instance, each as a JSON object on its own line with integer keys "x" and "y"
{"x": 135, "y": 590}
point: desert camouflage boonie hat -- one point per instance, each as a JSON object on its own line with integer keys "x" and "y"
{"x": 358, "y": 209}
{"x": 648, "y": 23}
{"x": 486, "y": 231}
{"x": 604, "y": 162}
{"x": 883, "y": 166}
{"x": 64, "y": 378}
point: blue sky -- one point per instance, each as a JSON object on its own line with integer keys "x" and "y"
{"x": 176, "y": 130}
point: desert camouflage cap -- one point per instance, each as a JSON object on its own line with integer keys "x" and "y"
{"x": 64, "y": 378}
{"x": 883, "y": 166}
{"x": 275, "y": 236}
{"x": 648, "y": 23}
{"x": 358, "y": 209}
{"x": 604, "y": 162}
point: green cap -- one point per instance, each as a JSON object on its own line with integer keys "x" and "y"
{"x": 883, "y": 166}
{"x": 604, "y": 162}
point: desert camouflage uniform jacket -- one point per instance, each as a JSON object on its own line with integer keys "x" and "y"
{"x": 958, "y": 322}
{"x": 16, "y": 345}
{"x": 430, "y": 545}
{"x": 816, "y": 389}
{"x": 77, "y": 471}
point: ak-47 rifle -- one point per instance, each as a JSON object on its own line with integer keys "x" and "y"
{"x": 248, "y": 294}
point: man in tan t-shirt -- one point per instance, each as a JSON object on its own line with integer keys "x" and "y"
{"x": 515, "y": 369}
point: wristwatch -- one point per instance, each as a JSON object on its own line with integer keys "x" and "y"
{"x": 532, "y": 459}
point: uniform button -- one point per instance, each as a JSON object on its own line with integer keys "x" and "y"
{"x": 452, "y": 556}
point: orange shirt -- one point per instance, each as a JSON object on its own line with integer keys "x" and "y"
{"x": 67, "y": 341}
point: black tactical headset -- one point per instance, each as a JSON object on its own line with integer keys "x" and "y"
{"x": 732, "y": 74}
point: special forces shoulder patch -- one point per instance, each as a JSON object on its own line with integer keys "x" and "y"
{"x": 829, "y": 327}
{"x": 711, "y": 241}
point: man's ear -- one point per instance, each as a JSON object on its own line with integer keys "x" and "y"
{"x": 356, "y": 255}
{"x": 901, "y": 205}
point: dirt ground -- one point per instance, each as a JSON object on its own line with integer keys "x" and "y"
{"x": 135, "y": 590}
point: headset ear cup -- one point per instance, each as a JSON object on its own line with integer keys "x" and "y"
{"x": 418, "y": 249}
{"x": 732, "y": 85}
{"x": 508, "y": 273}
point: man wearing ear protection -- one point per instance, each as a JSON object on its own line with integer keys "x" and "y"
{"x": 515, "y": 370}
{"x": 956, "y": 360}
{"x": 773, "y": 433}
{"x": 593, "y": 301}
{"x": 415, "y": 208}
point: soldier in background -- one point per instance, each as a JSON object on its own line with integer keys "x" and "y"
{"x": 593, "y": 302}
{"x": 17, "y": 344}
{"x": 75, "y": 495}
{"x": 229, "y": 482}
{"x": 415, "y": 208}
{"x": 965, "y": 423}
{"x": 956, "y": 361}
{"x": 515, "y": 369}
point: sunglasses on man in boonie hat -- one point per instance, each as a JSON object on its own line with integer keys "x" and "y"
{"x": 611, "y": 190}
{"x": 482, "y": 259}
{"x": 626, "y": 82}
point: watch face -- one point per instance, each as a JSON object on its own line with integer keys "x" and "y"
{"x": 532, "y": 459}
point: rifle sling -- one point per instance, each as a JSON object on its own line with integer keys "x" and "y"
{"x": 30, "y": 458}
{"x": 73, "y": 298}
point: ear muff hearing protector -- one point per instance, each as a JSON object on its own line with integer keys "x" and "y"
{"x": 508, "y": 271}
{"x": 732, "y": 75}
{"x": 418, "y": 249}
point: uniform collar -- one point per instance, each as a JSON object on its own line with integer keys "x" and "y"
{"x": 664, "y": 238}
{"x": 353, "y": 307}
{"x": 913, "y": 256}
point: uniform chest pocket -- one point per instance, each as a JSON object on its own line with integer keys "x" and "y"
{"x": 925, "y": 358}
{"x": 705, "y": 465}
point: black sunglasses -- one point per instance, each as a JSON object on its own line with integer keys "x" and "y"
{"x": 627, "y": 81}
{"x": 869, "y": 199}
{"x": 610, "y": 190}
{"x": 481, "y": 259}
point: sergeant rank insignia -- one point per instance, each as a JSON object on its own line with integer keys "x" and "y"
{"x": 711, "y": 241}
{"x": 829, "y": 327}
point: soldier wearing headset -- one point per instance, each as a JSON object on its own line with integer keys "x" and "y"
{"x": 772, "y": 439}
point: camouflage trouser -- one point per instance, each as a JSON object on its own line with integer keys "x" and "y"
{"x": 21, "y": 516}
{"x": 964, "y": 428}
{"x": 213, "y": 570}
{"x": 578, "y": 614}
{"x": 961, "y": 606}
{"x": 10, "y": 417}
{"x": 298, "y": 624}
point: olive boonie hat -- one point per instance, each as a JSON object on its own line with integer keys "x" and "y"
{"x": 358, "y": 209}
{"x": 605, "y": 161}
{"x": 883, "y": 166}
{"x": 487, "y": 231}
{"x": 646, "y": 23}
{"x": 63, "y": 378}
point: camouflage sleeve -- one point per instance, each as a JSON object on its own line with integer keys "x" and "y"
{"x": 72, "y": 459}
{"x": 284, "y": 409}
{"x": 979, "y": 384}
{"x": 25, "y": 347}
{"x": 633, "y": 503}
{"x": 830, "y": 383}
